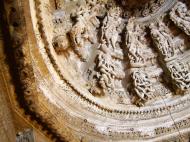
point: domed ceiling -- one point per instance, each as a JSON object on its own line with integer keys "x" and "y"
{"x": 104, "y": 70}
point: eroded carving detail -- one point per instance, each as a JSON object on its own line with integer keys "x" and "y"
{"x": 163, "y": 40}
{"x": 105, "y": 68}
{"x": 61, "y": 44}
{"x": 142, "y": 86}
{"x": 134, "y": 44}
{"x": 152, "y": 7}
{"x": 180, "y": 15}
{"x": 106, "y": 72}
{"x": 110, "y": 29}
{"x": 84, "y": 29}
{"x": 180, "y": 75}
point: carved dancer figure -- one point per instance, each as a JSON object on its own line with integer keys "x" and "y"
{"x": 134, "y": 44}
{"x": 180, "y": 75}
{"x": 142, "y": 85}
{"x": 163, "y": 40}
{"x": 180, "y": 15}
{"x": 84, "y": 29}
{"x": 110, "y": 28}
{"x": 105, "y": 67}
{"x": 105, "y": 72}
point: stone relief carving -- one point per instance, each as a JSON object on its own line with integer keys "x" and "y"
{"x": 134, "y": 44}
{"x": 103, "y": 32}
{"x": 180, "y": 15}
{"x": 60, "y": 40}
{"x": 84, "y": 29}
{"x": 105, "y": 68}
{"x": 61, "y": 44}
{"x": 99, "y": 31}
{"x": 163, "y": 40}
{"x": 110, "y": 28}
{"x": 106, "y": 74}
{"x": 152, "y": 7}
{"x": 142, "y": 86}
{"x": 146, "y": 8}
{"x": 180, "y": 75}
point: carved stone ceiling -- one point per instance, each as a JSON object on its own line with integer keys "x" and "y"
{"x": 104, "y": 70}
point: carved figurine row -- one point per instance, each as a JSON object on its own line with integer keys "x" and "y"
{"x": 178, "y": 72}
{"x": 142, "y": 86}
{"x": 105, "y": 67}
{"x": 86, "y": 26}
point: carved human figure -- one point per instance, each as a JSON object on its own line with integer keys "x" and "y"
{"x": 84, "y": 29}
{"x": 181, "y": 17}
{"x": 133, "y": 42}
{"x": 163, "y": 40}
{"x": 110, "y": 27}
{"x": 142, "y": 85}
{"x": 105, "y": 72}
{"x": 180, "y": 75}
